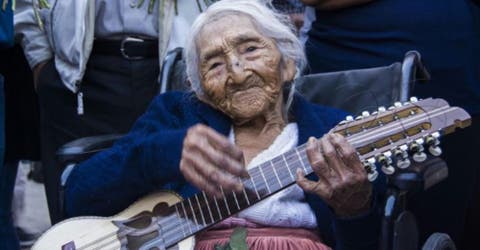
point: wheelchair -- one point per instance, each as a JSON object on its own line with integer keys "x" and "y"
{"x": 353, "y": 91}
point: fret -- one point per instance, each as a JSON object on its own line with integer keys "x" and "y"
{"x": 246, "y": 196}
{"x": 208, "y": 206}
{"x": 232, "y": 202}
{"x": 200, "y": 208}
{"x": 254, "y": 188}
{"x": 180, "y": 220}
{"x": 276, "y": 174}
{"x": 266, "y": 183}
{"x": 186, "y": 217}
{"x": 193, "y": 213}
{"x": 218, "y": 209}
{"x": 225, "y": 201}
{"x": 303, "y": 165}
{"x": 242, "y": 199}
{"x": 236, "y": 200}
{"x": 288, "y": 168}
{"x": 260, "y": 183}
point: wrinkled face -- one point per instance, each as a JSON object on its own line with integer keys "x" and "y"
{"x": 241, "y": 70}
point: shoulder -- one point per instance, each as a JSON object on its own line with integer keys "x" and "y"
{"x": 329, "y": 116}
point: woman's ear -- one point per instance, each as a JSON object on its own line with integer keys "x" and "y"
{"x": 288, "y": 70}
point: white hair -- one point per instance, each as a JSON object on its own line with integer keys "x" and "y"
{"x": 270, "y": 23}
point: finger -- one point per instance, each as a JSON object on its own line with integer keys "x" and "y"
{"x": 197, "y": 164}
{"x": 224, "y": 161}
{"x": 316, "y": 159}
{"x": 222, "y": 143}
{"x": 197, "y": 180}
{"x": 319, "y": 187}
{"x": 347, "y": 154}
{"x": 222, "y": 152}
{"x": 331, "y": 157}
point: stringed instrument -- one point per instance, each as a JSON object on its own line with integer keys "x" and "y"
{"x": 388, "y": 138}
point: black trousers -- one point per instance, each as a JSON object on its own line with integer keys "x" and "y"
{"x": 116, "y": 91}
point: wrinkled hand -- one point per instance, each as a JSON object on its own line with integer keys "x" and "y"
{"x": 209, "y": 161}
{"x": 343, "y": 182}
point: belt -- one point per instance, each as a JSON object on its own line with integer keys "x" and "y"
{"x": 131, "y": 48}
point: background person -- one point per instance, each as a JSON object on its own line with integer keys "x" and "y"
{"x": 354, "y": 34}
{"x": 96, "y": 66}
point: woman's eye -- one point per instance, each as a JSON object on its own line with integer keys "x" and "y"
{"x": 214, "y": 65}
{"x": 251, "y": 48}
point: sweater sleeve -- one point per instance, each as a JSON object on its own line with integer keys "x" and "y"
{"x": 33, "y": 39}
{"x": 143, "y": 161}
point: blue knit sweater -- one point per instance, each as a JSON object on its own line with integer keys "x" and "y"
{"x": 147, "y": 159}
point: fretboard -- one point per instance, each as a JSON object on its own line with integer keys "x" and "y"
{"x": 201, "y": 211}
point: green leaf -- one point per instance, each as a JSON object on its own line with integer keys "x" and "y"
{"x": 238, "y": 240}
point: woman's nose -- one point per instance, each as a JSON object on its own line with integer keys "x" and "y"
{"x": 237, "y": 70}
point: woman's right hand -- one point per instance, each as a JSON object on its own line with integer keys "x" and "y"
{"x": 210, "y": 162}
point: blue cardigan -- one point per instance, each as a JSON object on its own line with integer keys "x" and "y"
{"x": 147, "y": 159}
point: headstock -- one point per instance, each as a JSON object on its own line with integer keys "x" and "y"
{"x": 391, "y": 136}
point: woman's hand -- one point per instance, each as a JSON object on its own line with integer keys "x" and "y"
{"x": 342, "y": 181}
{"x": 210, "y": 162}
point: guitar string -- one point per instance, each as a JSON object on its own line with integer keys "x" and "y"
{"x": 167, "y": 223}
{"x": 271, "y": 177}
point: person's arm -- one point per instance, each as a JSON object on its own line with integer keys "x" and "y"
{"x": 343, "y": 185}
{"x": 334, "y": 4}
{"x": 33, "y": 39}
{"x": 141, "y": 162}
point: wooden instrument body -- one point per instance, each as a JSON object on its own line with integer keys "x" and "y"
{"x": 85, "y": 230}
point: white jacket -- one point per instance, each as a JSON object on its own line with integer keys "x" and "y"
{"x": 69, "y": 31}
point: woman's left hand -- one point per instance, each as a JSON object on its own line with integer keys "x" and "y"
{"x": 342, "y": 181}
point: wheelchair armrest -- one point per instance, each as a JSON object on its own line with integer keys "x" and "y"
{"x": 81, "y": 149}
{"x": 421, "y": 176}
{"x": 413, "y": 70}
{"x": 173, "y": 76}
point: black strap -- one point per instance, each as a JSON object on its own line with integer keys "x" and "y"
{"x": 131, "y": 49}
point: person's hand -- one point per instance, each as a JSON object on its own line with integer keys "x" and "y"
{"x": 342, "y": 181}
{"x": 36, "y": 72}
{"x": 210, "y": 162}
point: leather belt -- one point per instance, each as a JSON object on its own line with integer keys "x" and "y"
{"x": 131, "y": 48}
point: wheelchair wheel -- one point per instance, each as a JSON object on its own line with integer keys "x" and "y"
{"x": 439, "y": 241}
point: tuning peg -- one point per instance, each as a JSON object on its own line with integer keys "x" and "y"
{"x": 371, "y": 169}
{"x": 386, "y": 161}
{"x": 435, "y": 150}
{"x": 397, "y": 104}
{"x": 433, "y": 142}
{"x": 381, "y": 109}
{"x": 365, "y": 114}
{"x": 413, "y": 99}
{"x": 358, "y": 117}
{"x": 417, "y": 149}
{"x": 401, "y": 156}
{"x": 372, "y": 176}
{"x": 391, "y": 108}
{"x": 348, "y": 119}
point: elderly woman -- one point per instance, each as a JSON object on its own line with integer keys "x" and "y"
{"x": 242, "y": 61}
